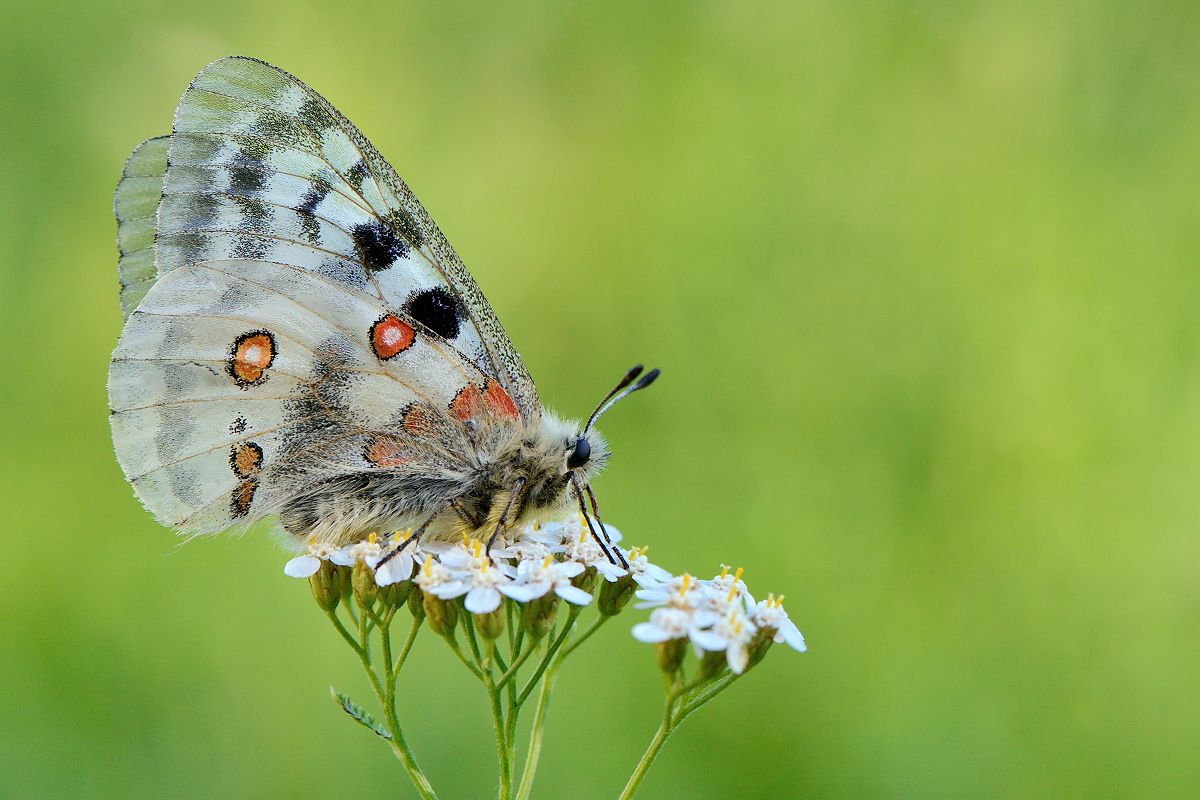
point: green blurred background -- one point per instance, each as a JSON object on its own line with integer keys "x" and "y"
{"x": 922, "y": 280}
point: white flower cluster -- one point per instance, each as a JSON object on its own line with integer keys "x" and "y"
{"x": 716, "y": 615}
{"x": 541, "y": 560}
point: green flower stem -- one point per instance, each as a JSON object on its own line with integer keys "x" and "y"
{"x": 387, "y": 699}
{"x": 350, "y": 640}
{"x": 503, "y": 748}
{"x": 512, "y": 671}
{"x": 536, "y": 734}
{"x": 408, "y": 643}
{"x": 463, "y": 657}
{"x": 672, "y": 718}
{"x": 572, "y": 615}
{"x": 468, "y": 623}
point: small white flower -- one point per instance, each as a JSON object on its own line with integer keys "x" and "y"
{"x": 582, "y": 548}
{"x": 681, "y": 592}
{"x": 665, "y": 623}
{"x": 728, "y": 589}
{"x": 306, "y": 565}
{"x": 469, "y": 563}
{"x": 536, "y": 579}
{"x": 438, "y": 580}
{"x": 769, "y": 615}
{"x": 400, "y": 566}
{"x": 645, "y": 574}
{"x": 730, "y": 633}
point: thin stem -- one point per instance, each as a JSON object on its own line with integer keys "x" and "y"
{"x": 350, "y": 640}
{"x": 550, "y": 651}
{"x": 462, "y": 657}
{"x": 537, "y": 733}
{"x": 639, "y": 773}
{"x": 408, "y": 643}
{"x": 712, "y": 691}
{"x": 468, "y": 623}
{"x": 516, "y": 665}
{"x": 595, "y": 626}
{"x": 502, "y": 746}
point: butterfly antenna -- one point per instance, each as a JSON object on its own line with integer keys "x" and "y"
{"x": 616, "y": 395}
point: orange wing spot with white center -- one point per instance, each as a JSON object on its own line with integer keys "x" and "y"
{"x": 246, "y": 459}
{"x": 391, "y": 336}
{"x": 250, "y": 356}
{"x": 467, "y": 403}
{"x": 387, "y": 452}
{"x": 498, "y": 403}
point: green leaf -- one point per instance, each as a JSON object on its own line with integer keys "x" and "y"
{"x": 364, "y": 718}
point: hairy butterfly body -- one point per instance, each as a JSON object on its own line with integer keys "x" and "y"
{"x": 301, "y": 341}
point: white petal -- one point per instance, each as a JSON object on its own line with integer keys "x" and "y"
{"x": 437, "y": 547}
{"x": 649, "y": 633}
{"x": 456, "y": 558}
{"x": 648, "y": 604}
{"x": 614, "y": 535}
{"x": 524, "y": 592}
{"x": 657, "y": 573}
{"x": 449, "y": 590}
{"x": 791, "y": 635}
{"x": 507, "y": 570}
{"x": 398, "y": 569}
{"x": 569, "y": 568}
{"x": 610, "y": 571}
{"x": 707, "y": 640}
{"x": 302, "y": 566}
{"x": 573, "y": 594}
{"x": 482, "y": 600}
{"x": 341, "y": 557}
{"x": 737, "y": 657}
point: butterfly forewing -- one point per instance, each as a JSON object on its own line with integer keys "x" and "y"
{"x": 263, "y": 167}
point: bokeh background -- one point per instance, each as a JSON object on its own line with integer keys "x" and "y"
{"x": 922, "y": 280}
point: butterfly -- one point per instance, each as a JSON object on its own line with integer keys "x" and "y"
{"x": 302, "y": 343}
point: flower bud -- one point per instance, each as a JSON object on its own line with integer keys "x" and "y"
{"x": 759, "y": 645}
{"x": 615, "y": 594}
{"x": 363, "y": 581}
{"x": 711, "y": 665}
{"x": 416, "y": 602}
{"x": 394, "y": 595}
{"x": 442, "y": 615}
{"x": 538, "y": 615}
{"x": 585, "y": 580}
{"x": 326, "y": 584}
{"x": 490, "y": 625}
{"x": 670, "y": 654}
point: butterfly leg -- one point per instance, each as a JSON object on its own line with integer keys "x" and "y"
{"x": 583, "y": 510}
{"x": 416, "y": 535}
{"x": 500, "y": 523}
{"x": 466, "y": 516}
{"x": 596, "y": 513}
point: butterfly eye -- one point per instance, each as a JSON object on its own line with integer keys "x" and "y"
{"x": 579, "y": 454}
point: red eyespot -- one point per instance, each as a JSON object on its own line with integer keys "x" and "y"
{"x": 467, "y": 403}
{"x": 386, "y": 452}
{"x": 390, "y": 336}
{"x": 498, "y": 403}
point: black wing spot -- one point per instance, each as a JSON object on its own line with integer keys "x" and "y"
{"x": 378, "y": 246}
{"x": 355, "y": 176}
{"x": 437, "y": 310}
{"x": 314, "y": 115}
{"x": 246, "y": 180}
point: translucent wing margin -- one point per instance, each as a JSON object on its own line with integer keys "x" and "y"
{"x": 135, "y": 205}
{"x": 262, "y": 167}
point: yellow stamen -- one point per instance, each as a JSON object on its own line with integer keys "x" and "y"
{"x": 371, "y": 538}
{"x": 779, "y": 602}
{"x": 732, "y": 593}
{"x": 546, "y": 563}
{"x": 737, "y": 576}
{"x": 466, "y": 540}
{"x": 427, "y": 568}
{"x": 724, "y": 570}
{"x": 537, "y": 526}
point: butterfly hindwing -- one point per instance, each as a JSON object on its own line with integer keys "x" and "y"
{"x": 135, "y": 205}
{"x": 239, "y": 384}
